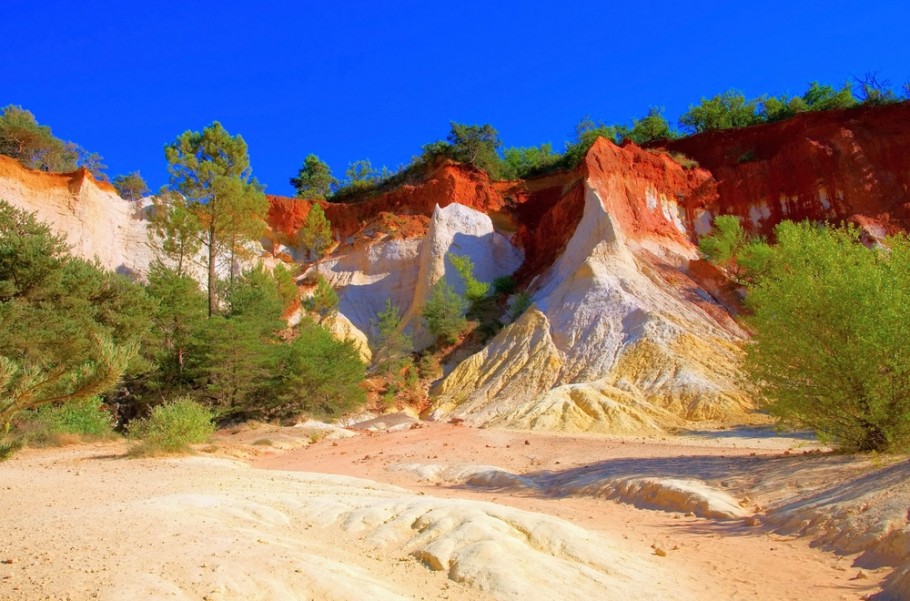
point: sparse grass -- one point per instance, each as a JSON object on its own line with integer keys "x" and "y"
{"x": 171, "y": 428}
{"x": 263, "y": 442}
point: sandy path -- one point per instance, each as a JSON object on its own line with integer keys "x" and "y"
{"x": 716, "y": 559}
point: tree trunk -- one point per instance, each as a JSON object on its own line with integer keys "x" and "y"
{"x": 213, "y": 300}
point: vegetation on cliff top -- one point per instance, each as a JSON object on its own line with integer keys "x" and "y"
{"x": 480, "y": 145}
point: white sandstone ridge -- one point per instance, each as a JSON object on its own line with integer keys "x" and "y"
{"x": 93, "y": 219}
{"x": 611, "y": 344}
{"x": 404, "y": 271}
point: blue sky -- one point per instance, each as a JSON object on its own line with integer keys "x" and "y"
{"x": 353, "y": 80}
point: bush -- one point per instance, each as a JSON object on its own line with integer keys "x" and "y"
{"x": 172, "y": 427}
{"x": 50, "y": 425}
{"x": 831, "y": 323}
{"x": 316, "y": 374}
{"x": 444, "y": 313}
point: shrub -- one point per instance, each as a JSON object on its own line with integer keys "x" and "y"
{"x": 444, "y": 313}
{"x": 172, "y": 427}
{"x": 316, "y": 374}
{"x": 831, "y": 320}
{"x": 315, "y": 235}
{"x": 51, "y": 424}
{"x": 474, "y": 290}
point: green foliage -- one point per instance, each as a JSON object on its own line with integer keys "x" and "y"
{"x": 476, "y": 145}
{"x": 504, "y": 285}
{"x": 212, "y": 170}
{"x": 820, "y": 97}
{"x": 287, "y": 287}
{"x": 131, "y": 186}
{"x": 527, "y": 162}
{"x": 36, "y": 147}
{"x": 831, "y": 320}
{"x": 444, "y": 313}
{"x": 872, "y": 90}
{"x": 586, "y": 133}
{"x": 324, "y": 300}
{"x": 314, "y": 179}
{"x": 178, "y": 320}
{"x": 33, "y": 145}
{"x": 474, "y": 290}
{"x": 725, "y": 242}
{"x": 172, "y": 427}
{"x": 730, "y": 246}
{"x": 724, "y": 111}
{"x": 68, "y": 329}
{"x": 175, "y": 231}
{"x": 316, "y": 375}
{"x": 236, "y": 351}
{"x": 391, "y": 346}
{"x": 651, "y": 127}
{"x": 315, "y": 235}
{"x": 87, "y": 419}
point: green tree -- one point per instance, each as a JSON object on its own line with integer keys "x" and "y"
{"x": 324, "y": 299}
{"x": 361, "y": 174}
{"x": 177, "y": 321}
{"x": 34, "y": 145}
{"x": 316, "y": 375}
{"x": 315, "y": 235}
{"x": 314, "y": 179}
{"x": 68, "y": 329}
{"x": 724, "y": 111}
{"x": 175, "y": 230}
{"x": 237, "y": 351}
{"x": 824, "y": 98}
{"x": 476, "y": 145}
{"x": 525, "y": 162}
{"x": 652, "y": 126}
{"x": 392, "y": 346}
{"x": 831, "y": 320}
{"x": 444, "y": 313}
{"x": 586, "y": 133}
{"x": 474, "y": 290}
{"x": 131, "y": 186}
{"x": 212, "y": 170}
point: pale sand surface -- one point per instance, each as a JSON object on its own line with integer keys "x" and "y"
{"x": 84, "y": 522}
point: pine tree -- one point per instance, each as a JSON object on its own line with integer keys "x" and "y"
{"x": 315, "y": 234}
{"x": 314, "y": 180}
{"x": 68, "y": 330}
{"x": 212, "y": 170}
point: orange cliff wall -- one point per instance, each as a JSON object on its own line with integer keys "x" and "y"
{"x": 640, "y": 188}
{"x": 831, "y": 165}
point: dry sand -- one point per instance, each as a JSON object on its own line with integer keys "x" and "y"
{"x": 444, "y": 512}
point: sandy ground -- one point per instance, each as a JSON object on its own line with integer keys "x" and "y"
{"x": 445, "y": 512}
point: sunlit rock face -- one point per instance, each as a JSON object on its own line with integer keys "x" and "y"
{"x": 618, "y": 338}
{"x": 89, "y": 214}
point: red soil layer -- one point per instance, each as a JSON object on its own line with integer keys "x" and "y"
{"x": 42, "y": 180}
{"x": 857, "y": 157}
{"x": 445, "y": 184}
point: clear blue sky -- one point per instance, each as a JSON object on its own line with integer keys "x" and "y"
{"x": 349, "y": 80}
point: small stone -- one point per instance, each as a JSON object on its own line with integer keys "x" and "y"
{"x": 660, "y": 552}
{"x": 752, "y": 521}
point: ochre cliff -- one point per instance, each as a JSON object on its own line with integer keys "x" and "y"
{"x": 830, "y": 165}
{"x": 93, "y": 219}
{"x": 628, "y": 331}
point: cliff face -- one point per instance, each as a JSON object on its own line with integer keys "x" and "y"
{"x": 619, "y": 338}
{"x": 95, "y": 221}
{"x": 832, "y": 165}
{"x": 627, "y": 330}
